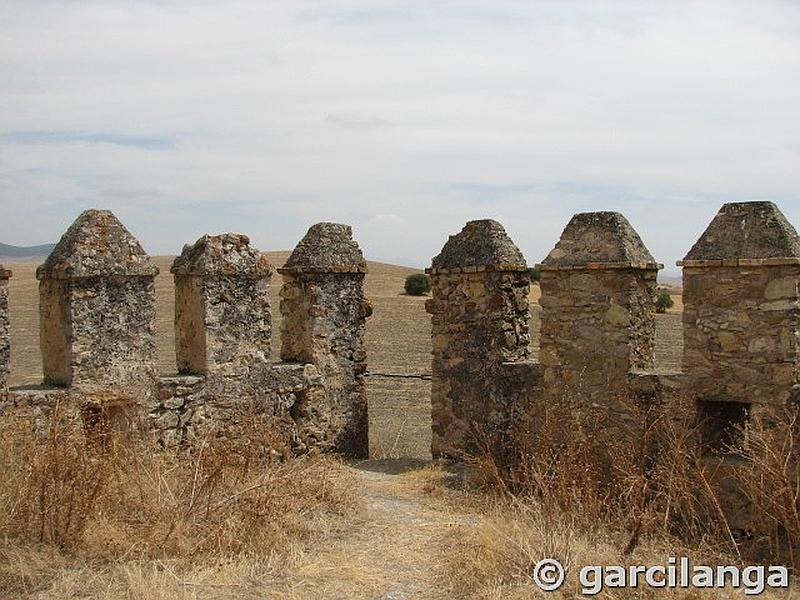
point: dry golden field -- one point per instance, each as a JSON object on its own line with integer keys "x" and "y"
{"x": 398, "y": 341}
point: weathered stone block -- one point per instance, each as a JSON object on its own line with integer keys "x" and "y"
{"x": 741, "y": 322}
{"x": 324, "y": 313}
{"x": 480, "y": 284}
{"x": 97, "y": 308}
{"x": 222, "y": 314}
{"x": 784, "y": 287}
{"x": 598, "y": 304}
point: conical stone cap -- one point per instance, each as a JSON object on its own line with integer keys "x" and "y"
{"x": 480, "y": 245}
{"x": 601, "y": 240}
{"x": 749, "y": 231}
{"x": 326, "y": 248}
{"x": 97, "y": 245}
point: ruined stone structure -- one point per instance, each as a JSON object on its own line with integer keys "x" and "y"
{"x": 598, "y": 303}
{"x": 97, "y": 304}
{"x": 222, "y": 312}
{"x": 741, "y": 329}
{"x": 741, "y": 311}
{"x": 741, "y": 319}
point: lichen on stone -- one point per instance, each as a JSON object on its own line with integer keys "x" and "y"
{"x": 223, "y": 324}
{"x": 327, "y": 247}
{"x": 747, "y": 230}
{"x": 481, "y": 243}
{"x": 97, "y": 245}
{"x": 225, "y": 254}
{"x": 598, "y": 237}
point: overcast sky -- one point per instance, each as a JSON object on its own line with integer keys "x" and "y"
{"x": 404, "y": 119}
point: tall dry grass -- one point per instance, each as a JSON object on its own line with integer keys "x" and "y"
{"x": 638, "y": 464}
{"x": 627, "y": 482}
{"x": 768, "y": 477}
{"x": 70, "y": 496}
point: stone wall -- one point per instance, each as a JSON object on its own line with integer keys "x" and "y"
{"x": 742, "y": 308}
{"x": 741, "y": 326}
{"x": 292, "y": 396}
{"x": 97, "y": 305}
{"x": 741, "y": 329}
{"x": 598, "y": 323}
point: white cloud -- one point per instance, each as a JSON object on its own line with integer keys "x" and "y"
{"x": 285, "y": 113}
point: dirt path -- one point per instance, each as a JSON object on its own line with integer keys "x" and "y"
{"x": 393, "y": 552}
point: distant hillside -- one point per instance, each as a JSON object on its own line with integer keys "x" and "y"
{"x": 17, "y": 252}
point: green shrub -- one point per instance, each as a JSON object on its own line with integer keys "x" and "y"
{"x": 663, "y": 302}
{"x": 418, "y": 284}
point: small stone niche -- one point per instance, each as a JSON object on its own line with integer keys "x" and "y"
{"x": 107, "y": 420}
{"x": 722, "y": 425}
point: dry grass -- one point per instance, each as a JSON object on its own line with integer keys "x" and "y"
{"x": 308, "y": 529}
{"x": 426, "y": 533}
{"x": 494, "y": 557}
{"x": 768, "y": 478}
{"x": 107, "y": 502}
{"x": 631, "y": 492}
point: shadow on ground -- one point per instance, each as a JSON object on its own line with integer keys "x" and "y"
{"x": 390, "y": 466}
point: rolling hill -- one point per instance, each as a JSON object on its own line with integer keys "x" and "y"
{"x": 9, "y": 252}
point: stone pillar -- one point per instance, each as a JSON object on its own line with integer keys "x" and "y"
{"x": 741, "y": 321}
{"x": 5, "y": 331}
{"x": 479, "y": 307}
{"x": 324, "y": 313}
{"x": 598, "y": 306}
{"x": 222, "y": 314}
{"x": 741, "y": 314}
{"x": 97, "y": 308}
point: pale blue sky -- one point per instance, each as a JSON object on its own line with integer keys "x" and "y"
{"x": 404, "y": 119}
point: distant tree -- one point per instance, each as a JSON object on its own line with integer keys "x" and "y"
{"x": 418, "y": 284}
{"x": 663, "y": 302}
{"x": 536, "y": 275}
